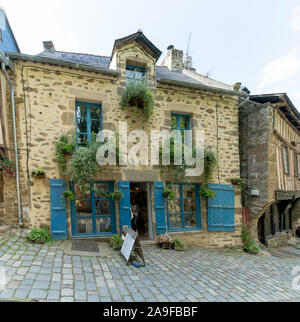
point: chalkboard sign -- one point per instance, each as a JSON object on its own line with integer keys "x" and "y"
{"x": 131, "y": 243}
{"x": 128, "y": 244}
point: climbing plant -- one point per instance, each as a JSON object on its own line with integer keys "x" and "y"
{"x": 64, "y": 146}
{"x": 139, "y": 96}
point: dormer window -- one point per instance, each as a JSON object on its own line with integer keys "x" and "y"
{"x": 135, "y": 73}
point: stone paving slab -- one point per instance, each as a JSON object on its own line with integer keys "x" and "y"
{"x": 47, "y": 273}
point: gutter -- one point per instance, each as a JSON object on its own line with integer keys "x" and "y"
{"x": 200, "y": 86}
{"x": 62, "y": 63}
{"x": 6, "y": 62}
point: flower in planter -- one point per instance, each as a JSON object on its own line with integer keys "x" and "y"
{"x": 6, "y": 166}
{"x": 39, "y": 172}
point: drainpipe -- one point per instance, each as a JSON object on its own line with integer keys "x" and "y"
{"x": 6, "y": 62}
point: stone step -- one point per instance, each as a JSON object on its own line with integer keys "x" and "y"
{"x": 4, "y": 229}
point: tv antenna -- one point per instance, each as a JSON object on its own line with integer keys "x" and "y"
{"x": 188, "y": 57}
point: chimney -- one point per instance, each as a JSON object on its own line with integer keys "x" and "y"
{"x": 174, "y": 59}
{"x": 48, "y": 46}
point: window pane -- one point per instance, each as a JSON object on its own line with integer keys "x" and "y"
{"x": 95, "y": 127}
{"x": 184, "y": 123}
{"x": 85, "y": 195}
{"x": 176, "y": 189}
{"x": 81, "y": 126}
{"x": 103, "y": 225}
{"x": 83, "y": 208}
{"x": 175, "y": 221}
{"x": 84, "y": 225}
{"x": 82, "y": 139}
{"x": 174, "y": 206}
{"x": 95, "y": 112}
{"x": 189, "y": 206}
{"x": 101, "y": 188}
{"x": 102, "y": 207}
{"x": 190, "y": 221}
{"x": 188, "y": 191}
{"x": 81, "y": 111}
{"x": 174, "y": 122}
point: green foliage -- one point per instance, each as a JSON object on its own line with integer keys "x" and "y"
{"x": 242, "y": 183}
{"x": 206, "y": 192}
{"x": 138, "y": 95}
{"x": 116, "y": 242}
{"x": 249, "y": 244}
{"x": 116, "y": 195}
{"x": 83, "y": 165}
{"x": 38, "y": 172}
{"x": 169, "y": 193}
{"x": 6, "y": 166}
{"x": 40, "y": 235}
{"x": 63, "y": 147}
{"x": 178, "y": 244}
{"x": 179, "y": 171}
{"x": 69, "y": 195}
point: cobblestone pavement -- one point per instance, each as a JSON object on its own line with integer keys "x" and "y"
{"x": 44, "y": 273}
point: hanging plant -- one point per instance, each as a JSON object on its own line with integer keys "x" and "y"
{"x": 169, "y": 193}
{"x": 7, "y": 166}
{"x": 138, "y": 95}
{"x": 38, "y": 173}
{"x": 242, "y": 183}
{"x": 64, "y": 147}
{"x": 206, "y": 192}
{"x": 116, "y": 195}
{"x": 69, "y": 195}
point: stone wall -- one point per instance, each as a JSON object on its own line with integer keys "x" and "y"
{"x": 48, "y": 110}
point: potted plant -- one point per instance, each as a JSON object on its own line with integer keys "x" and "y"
{"x": 206, "y": 192}
{"x": 64, "y": 148}
{"x": 40, "y": 236}
{"x": 242, "y": 183}
{"x": 249, "y": 244}
{"x": 116, "y": 195}
{"x": 169, "y": 193}
{"x": 178, "y": 245}
{"x": 69, "y": 195}
{"x": 38, "y": 173}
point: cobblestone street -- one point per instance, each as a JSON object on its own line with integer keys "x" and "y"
{"x": 44, "y": 273}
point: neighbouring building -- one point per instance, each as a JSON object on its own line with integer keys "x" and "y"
{"x": 7, "y": 43}
{"x": 269, "y": 148}
{"x": 61, "y": 92}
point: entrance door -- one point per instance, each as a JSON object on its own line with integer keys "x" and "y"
{"x": 140, "y": 199}
{"x": 94, "y": 213}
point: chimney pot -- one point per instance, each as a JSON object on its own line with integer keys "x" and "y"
{"x": 48, "y": 46}
{"x": 170, "y": 47}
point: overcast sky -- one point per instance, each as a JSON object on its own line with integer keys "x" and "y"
{"x": 256, "y": 42}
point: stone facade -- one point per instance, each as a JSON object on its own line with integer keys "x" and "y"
{"x": 264, "y": 131}
{"x": 46, "y": 95}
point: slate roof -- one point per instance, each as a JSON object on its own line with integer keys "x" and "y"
{"x": 103, "y": 62}
{"x": 83, "y": 59}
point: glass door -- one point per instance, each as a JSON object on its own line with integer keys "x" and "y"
{"x": 94, "y": 213}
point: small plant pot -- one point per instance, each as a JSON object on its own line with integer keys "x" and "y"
{"x": 165, "y": 194}
{"x": 250, "y": 252}
{"x": 39, "y": 176}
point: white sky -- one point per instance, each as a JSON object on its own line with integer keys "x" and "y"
{"x": 256, "y": 42}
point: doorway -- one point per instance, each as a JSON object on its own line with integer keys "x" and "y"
{"x": 141, "y": 196}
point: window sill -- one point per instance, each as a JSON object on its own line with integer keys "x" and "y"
{"x": 186, "y": 231}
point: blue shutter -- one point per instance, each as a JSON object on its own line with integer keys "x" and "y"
{"x": 159, "y": 203}
{"x": 220, "y": 212}
{"x": 58, "y": 209}
{"x": 125, "y": 214}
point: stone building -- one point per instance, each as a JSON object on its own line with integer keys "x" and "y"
{"x": 269, "y": 148}
{"x": 61, "y": 92}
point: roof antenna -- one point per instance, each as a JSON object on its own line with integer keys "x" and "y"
{"x": 188, "y": 59}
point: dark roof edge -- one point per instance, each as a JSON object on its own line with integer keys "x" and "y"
{"x": 280, "y": 95}
{"x": 199, "y": 86}
{"x": 10, "y": 29}
{"x": 57, "y": 62}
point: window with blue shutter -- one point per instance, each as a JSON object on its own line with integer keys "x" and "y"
{"x": 58, "y": 209}
{"x": 220, "y": 212}
{"x": 88, "y": 121}
{"x": 184, "y": 212}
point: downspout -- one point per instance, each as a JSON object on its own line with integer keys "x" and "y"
{"x": 4, "y": 62}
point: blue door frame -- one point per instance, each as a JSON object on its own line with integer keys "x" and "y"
{"x": 94, "y": 215}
